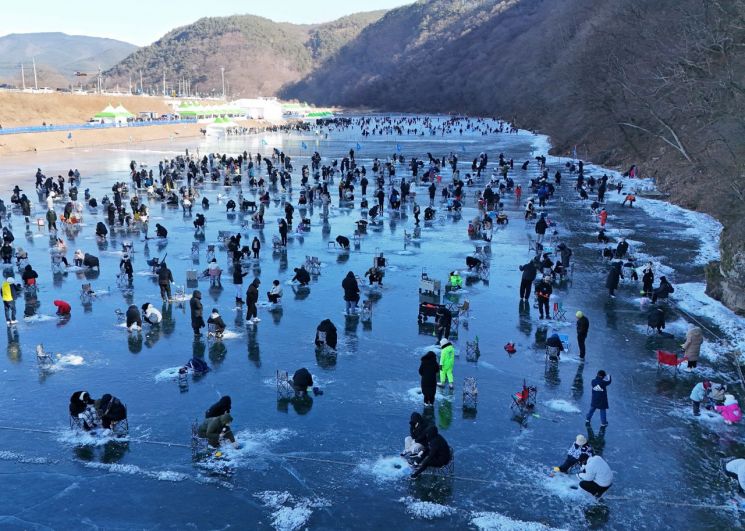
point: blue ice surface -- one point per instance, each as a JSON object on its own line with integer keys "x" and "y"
{"x": 335, "y": 464}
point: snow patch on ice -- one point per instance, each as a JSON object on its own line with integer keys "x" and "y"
{"x": 20, "y": 458}
{"x": 558, "y": 404}
{"x": 171, "y": 373}
{"x": 492, "y": 521}
{"x": 40, "y": 318}
{"x": 425, "y": 509}
{"x": 134, "y": 470}
{"x": 289, "y": 512}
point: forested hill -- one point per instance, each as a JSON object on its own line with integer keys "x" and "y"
{"x": 658, "y": 83}
{"x": 258, "y": 55}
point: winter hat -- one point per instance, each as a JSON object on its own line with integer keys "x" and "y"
{"x": 581, "y": 440}
{"x": 729, "y": 400}
{"x": 579, "y": 314}
{"x": 443, "y": 342}
{"x": 11, "y": 280}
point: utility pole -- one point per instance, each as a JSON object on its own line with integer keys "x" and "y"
{"x": 130, "y": 83}
{"x": 36, "y": 83}
{"x": 164, "y": 81}
{"x": 142, "y": 87}
{"x": 222, "y": 71}
{"x": 23, "y": 77}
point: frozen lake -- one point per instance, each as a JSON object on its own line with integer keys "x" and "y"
{"x": 334, "y": 464}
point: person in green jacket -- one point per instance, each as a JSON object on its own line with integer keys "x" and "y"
{"x": 215, "y": 429}
{"x": 447, "y": 360}
{"x": 52, "y": 219}
{"x": 456, "y": 281}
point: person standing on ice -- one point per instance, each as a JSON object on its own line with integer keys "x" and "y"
{"x": 599, "y": 398}
{"x": 530, "y": 271}
{"x": 252, "y": 297}
{"x": 583, "y": 327}
{"x": 447, "y": 362}
{"x": 428, "y": 369}
{"x": 614, "y": 277}
{"x": 351, "y": 292}
{"x": 692, "y": 346}
{"x": 195, "y": 305}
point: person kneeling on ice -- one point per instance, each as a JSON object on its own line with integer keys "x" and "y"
{"x": 436, "y": 454}
{"x": 416, "y": 441}
{"x": 216, "y": 320}
{"x": 275, "y": 294}
{"x": 301, "y": 380}
{"x": 343, "y": 242}
{"x": 302, "y": 276}
{"x": 375, "y": 275}
{"x": 328, "y": 329}
{"x": 150, "y": 315}
{"x": 217, "y": 429}
{"x": 456, "y": 281}
{"x": 134, "y": 319}
{"x": 730, "y": 410}
{"x": 82, "y": 407}
{"x": 110, "y": 410}
{"x": 63, "y": 308}
{"x": 596, "y": 476}
{"x": 160, "y": 231}
{"x": 447, "y": 361}
{"x": 579, "y": 448}
{"x": 736, "y": 469}
{"x": 554, "y": 342}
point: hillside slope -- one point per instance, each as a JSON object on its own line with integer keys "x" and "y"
{"x": 660, "y": 84}
{"x": 57, "y": 55}
{"x": 258, "y": 55}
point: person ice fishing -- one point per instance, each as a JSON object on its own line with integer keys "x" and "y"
{"x": 699, "y": 394}
{"x": 596, "y": 476}
{"x": 730, "y": 410}
{"x": 82, "y": 407}
{"x": 275, "y": 293}
{"x": 151, "y": 315}
{"x": 220, "y": 407}
{"x": 302, "y": 276}
{"x": 447, "y": 362}
{"x": 456, "y": 281}
{"x": 195, "y": 305}
{"x": 10, "y": 291}
{"x": 217, "y": 429}
{"x": 428, "y": 369}
{"x": 160, "y": 231}
{"x": 735, "y": 468}
{"x": 599, "y": 399}
{"x": 415, "y": 443}
{"x": 29, "y": 276}
{"x": 110, "y": 410}
{"x": 443, "y": 321}
{"x": 436, "y": 454}
{"x": 215, "y": 320}
{"x": 328, "y": 329}
{"x": 662, "y": 291}
{"x": 134, "y": 320}
{"x": 583, "y": 327}
{"x": 656, "y": 319}
{"x": 301, "y": 381}
{"x": 647, "y": 280}
{"x": 578, "y": 448}
{"x": 351, "y": 292}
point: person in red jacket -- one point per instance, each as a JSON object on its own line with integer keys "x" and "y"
{"x": 603, "y": 217}
{"x": 63, "y": 308}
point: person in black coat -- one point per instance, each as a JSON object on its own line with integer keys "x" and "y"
{"x": 583, "y": 327}
{"x": 301, "y": 380}
{"x": 428, "y": 370}
{"x": 443, "y": 322}
{"x": 343, "y": 242}
{"x": 540, "y": 228}
{"x": 647, "y": 280}
{"x": 663, "y": 290}
{"x": 599, "y": 398}
{"x": 255, "y": 247}
{"x": 195, "y": 305}
{"x": 110, "y": 411}
{"x": 327, "y": 327}
{"x": 622, "y": 248}
{"x": 656, "y": 319}
{"x": 160, "y": 231}
{"x": 133, "y": 316}
{"x": 165, "y": 277}
{"x": 417, "y": 438}
{"x": 283, "y": 232}
{"x": 543, "y": 290}
{"x": 220, "y": 407}
{"x": 351, "y": 292}
{"x": 529, "y": 273}
{"x": 614, "y": 276}
{"x": 436, "y": 454}
{"x": 301, "y": 276}
{"x": 252, "y": 297}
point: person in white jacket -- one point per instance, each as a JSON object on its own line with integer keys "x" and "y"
{"x": 736, "y": 469}
{"x": 596, "y": 476}
{"x": 275, "y": 294}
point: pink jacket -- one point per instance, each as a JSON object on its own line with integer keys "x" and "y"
{"x": 731, "y": 412}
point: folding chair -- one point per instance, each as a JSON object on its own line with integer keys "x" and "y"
{"x": 366, "y": 314}
{"x": 195, "y": 251}
{"x": 470, "y": 393}
{"x": 285, "y": 389}
{"x": 524, "y": 400}
{"x": 210, "y": 252}
{"x": 669, "y": 359}
{"x": 472, "y": 350}
{"x": 560, "y": 314}
{"x": 43, "y": 359}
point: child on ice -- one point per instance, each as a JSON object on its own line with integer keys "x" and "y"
{"x": 730, "y": 410}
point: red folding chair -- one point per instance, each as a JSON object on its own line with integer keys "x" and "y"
{"x": 669, "y": 359}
